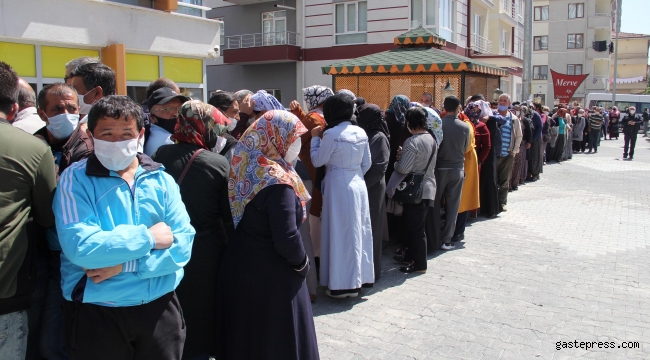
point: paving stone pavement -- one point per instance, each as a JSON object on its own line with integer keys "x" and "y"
{"x": 570, "y": 260}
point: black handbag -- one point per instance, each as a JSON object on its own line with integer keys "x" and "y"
{"x": 409, "y": 191}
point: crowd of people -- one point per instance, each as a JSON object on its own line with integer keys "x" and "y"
{"x": 181, "y": 229}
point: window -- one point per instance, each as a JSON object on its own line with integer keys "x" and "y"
{"x": 574, "y": 41}
{"x": 477, "y": 24}
{"x": 504, "y": 43}
{"x": 574, "y": 69}
{"x": 274, "y": 27}
{"x": 423, "y": 12}
{"x": 540, "y": 72}
{"x": 277, "y": 93}
{"x": 576, "y": 11}
{"x": 188, "y": 10}
{"x": 351, "y": 22}
{"x": 540, "y": 42}
{"x": 541, "y": 13}
{"x": 222, "y": 40}
{"x": 446, "y": 30}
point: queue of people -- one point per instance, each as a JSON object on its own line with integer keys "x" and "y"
{"x": 177, "y": 229}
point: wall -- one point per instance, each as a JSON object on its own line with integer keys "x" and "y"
{"x": 247, "y": 19}
{"x": 255, "y": 77}
{"x": 98, "y": 24}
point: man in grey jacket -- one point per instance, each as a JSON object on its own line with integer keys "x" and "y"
{"x": 450, "y": 172}
{"x": 511, "y": 136}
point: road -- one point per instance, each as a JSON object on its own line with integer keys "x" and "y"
{"x": 569, "y": 261}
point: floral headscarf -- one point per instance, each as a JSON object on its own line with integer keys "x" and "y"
{"x": 398, "y": 107}
{"x": 200, "y": 124}
{"x": 258, "y": 161}
{"x": 434, "y": 122}
{"x": 316, "y": 95}
{"x": 265, "y": 102}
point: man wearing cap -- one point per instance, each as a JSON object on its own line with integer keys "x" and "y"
{"x": 164, "y": 105}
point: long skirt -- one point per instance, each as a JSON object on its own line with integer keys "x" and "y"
{"x": 542, "y": 155}
{"x": 516, "y": 170}
{"x": 568, "y": 149}
{"x": 535, "y": 159}
{"x": 524, "y": 167}
{"x": 555, "y": 153}
{"x": 613, "y": 130}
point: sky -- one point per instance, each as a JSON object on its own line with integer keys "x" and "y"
{"x": 634, "y": 18}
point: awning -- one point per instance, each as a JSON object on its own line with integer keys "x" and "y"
{"x": 412, "y": 60}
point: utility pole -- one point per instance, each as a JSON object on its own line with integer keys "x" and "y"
{"x": 528, "y": 50}
{"x": 617, "y": 15}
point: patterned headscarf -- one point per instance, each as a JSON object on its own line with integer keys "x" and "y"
{"x": 398, "y": 107}
{"x": 316, "y": 95}
{"x": 200, "y": 124}
{"x": 477, "y": 110}
{"x": 258, "y": 161}
{"x": 265, "y": 102}
{"x": 434, "y": 122}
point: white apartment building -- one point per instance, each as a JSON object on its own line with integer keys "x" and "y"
{"x": 282, "y": 45}
{"x": 572, "y": 37}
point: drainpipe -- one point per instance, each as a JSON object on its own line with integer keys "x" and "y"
{"x": 617, "y": 13}
{"x": 468, "y": 50}
{"x": 304, "y": 45}
{"x": 528, "y": 51}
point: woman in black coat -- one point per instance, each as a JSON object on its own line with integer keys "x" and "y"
{"x": 263, "y": 307}
{"x": 489, "y": 188}
{"x": 204, "y": 190}
{"x": 371, "y": 119}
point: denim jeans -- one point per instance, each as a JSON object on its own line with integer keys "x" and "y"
{"x": 52, "y": 342}
{"x": 594, "y": 139}
{"x": 13, "y": 335}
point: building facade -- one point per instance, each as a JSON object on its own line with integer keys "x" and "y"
{"x": 281, "y": 46}
{"x": 632, "y": 73}
{"x": 141, "y": 40}
{"x": 572, "y": 37}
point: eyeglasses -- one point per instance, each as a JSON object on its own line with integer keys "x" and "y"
{"x": 168, "y": 110}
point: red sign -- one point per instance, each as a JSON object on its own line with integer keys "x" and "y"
{"x": 564, "y": 86}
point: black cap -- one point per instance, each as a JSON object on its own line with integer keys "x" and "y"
{"x": 163, "y": 96}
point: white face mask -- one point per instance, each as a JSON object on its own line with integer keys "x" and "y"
{"x": 221, "y": 142}
{"x": 632, "y": 112}
{"x": 233, "y": 123}
{"x": 117, "y": 155}
{"x": 61, "y": 126}
{"x": 517, "y": 112}
{"x": 293, "y": 151}
{"x": 546, "y": 112}
{"x": 83, "y": 107}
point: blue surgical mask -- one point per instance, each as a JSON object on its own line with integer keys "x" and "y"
{"x": 502, "y": 108}
{"x": 61, "y": 126}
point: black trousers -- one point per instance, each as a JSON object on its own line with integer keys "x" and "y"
{"x": 413, "y": 221}
{"x": 151, "y": 331}
{"x": 630, "y": 143}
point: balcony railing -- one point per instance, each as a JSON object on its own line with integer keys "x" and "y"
{"x": 262, "y": 39}
{"x": 505, "y": 52}
{"x": 481, "y": 44}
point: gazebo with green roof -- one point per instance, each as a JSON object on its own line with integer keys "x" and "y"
{"x": 418, "y": 65}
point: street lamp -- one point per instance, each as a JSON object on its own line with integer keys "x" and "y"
{"x": 496, "y": 94}
{"x": 448, "y": 90}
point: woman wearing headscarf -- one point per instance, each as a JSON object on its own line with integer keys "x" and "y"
{"x": 264, "y": 306}
{"x": 489, "y": 187}
{"x": 314, "y": 97}
{"x": 578, "y": 131}
{"x": 371, "y": 120}
{"x": 202, "y": 176}
{"x": 520, "y": 157}
{"x": 482, "y": 140}
{"x": 614, "y": 119}
{"x": 396, "y": 121}
{"x": 556, "y": 152}
{"x": 527, "y": 132}
{"x": 346, "y": 248}
{"x": 568, "y": 136}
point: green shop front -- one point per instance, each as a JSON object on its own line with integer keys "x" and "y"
{"x": 418, "y": 65}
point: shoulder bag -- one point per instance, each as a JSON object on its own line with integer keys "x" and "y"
{"x": 187, "y": 167}
{"x": 409, "y": 191}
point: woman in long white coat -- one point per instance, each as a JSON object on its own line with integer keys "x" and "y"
{"x": 346, "y": 244}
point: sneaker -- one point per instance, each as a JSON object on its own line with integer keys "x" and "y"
{"x": 458, "y": 238}
{"x": 339, "y": 294}
{"x": 504, "y": 208}
{"x": 448, "y": 246}
{"x": 411, "y": 269}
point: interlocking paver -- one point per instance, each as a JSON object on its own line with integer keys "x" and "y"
{"x": 570, "y": 260}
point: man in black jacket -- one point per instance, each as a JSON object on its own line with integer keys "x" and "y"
{"x": 631, "y": 125}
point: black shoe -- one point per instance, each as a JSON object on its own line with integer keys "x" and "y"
{"x": 624, "y": 156}
{"x": 631, "y": 157}
{"x": 402, "y": 259}
{"x": 458, "y": 238}
{"x": 411, "y": 269}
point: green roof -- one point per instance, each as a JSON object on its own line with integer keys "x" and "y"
{"x": 420, "y": 36}
{"x": 412, "y": 60}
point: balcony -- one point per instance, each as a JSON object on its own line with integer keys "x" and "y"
{"x": 249, "y": 2}
{"x": 596, "y": 82}
{"x": 281, "y": 46}
{"x": 505, "y": 52}
{"x": 593, "y": 54}
{"x": 600, "y": 21}
{"x": 481, "y": 44}
{"x": 508, "y": 12}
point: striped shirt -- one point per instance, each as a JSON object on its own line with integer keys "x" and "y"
{"x": 595, "y": 121}
{"x": 506, "y": 136}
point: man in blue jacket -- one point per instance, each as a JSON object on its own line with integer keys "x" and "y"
{"x": 125, "y": 237}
